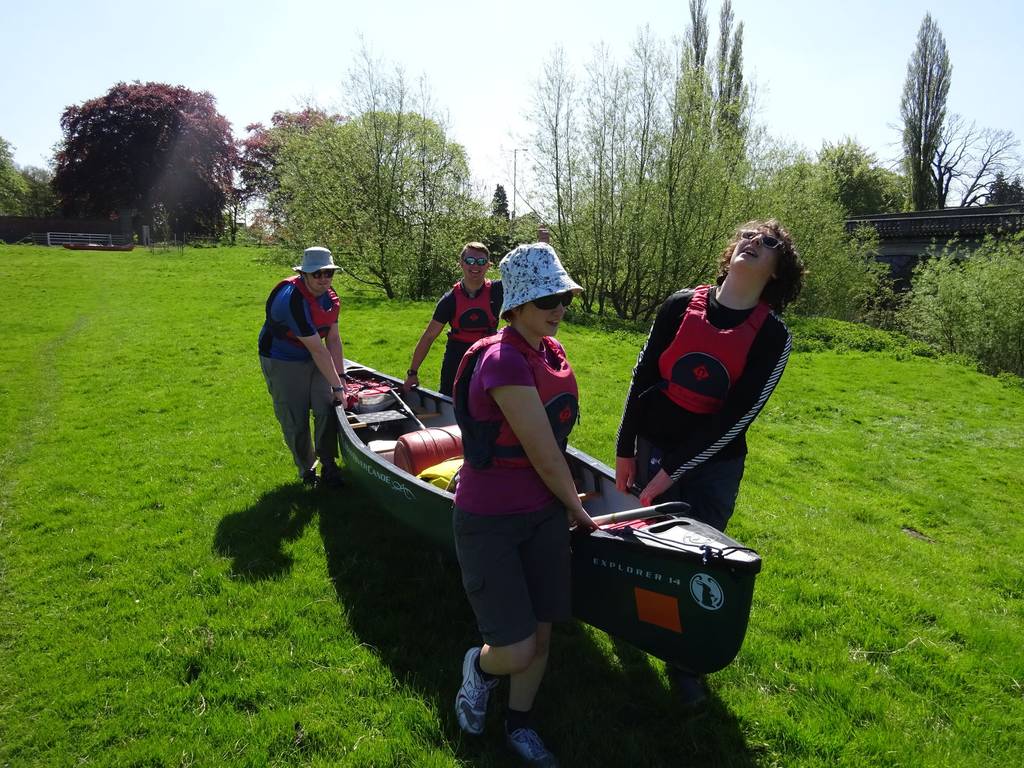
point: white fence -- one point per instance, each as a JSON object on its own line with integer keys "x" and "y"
{"x": 83, "y": 238}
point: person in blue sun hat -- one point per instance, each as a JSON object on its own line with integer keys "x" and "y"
{"x": 304, "y": 366}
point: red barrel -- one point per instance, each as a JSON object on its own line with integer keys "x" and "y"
{"x": 424, "y": 448}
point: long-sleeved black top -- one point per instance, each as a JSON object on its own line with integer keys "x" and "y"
{"x": 690, "y": 439}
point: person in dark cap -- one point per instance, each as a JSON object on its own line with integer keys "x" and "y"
{"x": 304, "y": 365}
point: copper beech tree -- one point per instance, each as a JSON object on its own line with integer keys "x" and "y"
{"x": 161, "y": 152}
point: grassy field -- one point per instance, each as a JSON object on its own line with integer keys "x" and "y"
{"x": 169, "y": 597}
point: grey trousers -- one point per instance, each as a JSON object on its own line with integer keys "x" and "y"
{"x": 298, "y": 388}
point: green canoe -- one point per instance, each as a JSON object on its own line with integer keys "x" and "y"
{"x": 665, "y": 583}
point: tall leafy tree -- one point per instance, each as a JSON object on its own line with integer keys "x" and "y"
{"x": 12, "y": 185}
{"x": 923, "y": 111}
{"x": 259, "y": 155}
{"x": 387, "y": 190}
{"x": 862, "y": 185}
{"x": 39, "y": 198}
{"x": 162, "y": 151}
{"x": 730, "y": 93}
{"x": 644, "y": 164}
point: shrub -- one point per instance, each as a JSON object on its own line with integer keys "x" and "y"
{"x": 972, "y": 303}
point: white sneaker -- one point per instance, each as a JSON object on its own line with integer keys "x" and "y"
{"x": 471, "y": 701}
{"x": 527, "y": 744}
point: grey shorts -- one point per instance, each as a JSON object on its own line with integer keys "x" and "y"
{"x": 515, "y": 570}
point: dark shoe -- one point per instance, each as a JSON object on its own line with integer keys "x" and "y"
{"x": 331, "y": 478}
{"x": 527, "y": 744}
{"x": 689, "y": 689}
{"x": 309, "y": 478}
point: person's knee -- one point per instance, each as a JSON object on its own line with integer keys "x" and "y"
{"x": 521, "y": 655}
{"x": 542, "y": 644}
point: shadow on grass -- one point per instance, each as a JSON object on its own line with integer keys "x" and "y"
{"x": 254, "y": 538}
{"x": 598, "y": 706}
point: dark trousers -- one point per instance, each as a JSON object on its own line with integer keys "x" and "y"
{"x": 710, "y": 490}
{"x": 453, "y": 352}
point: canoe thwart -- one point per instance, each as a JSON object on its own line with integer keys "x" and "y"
{"x": 358, "y": 420}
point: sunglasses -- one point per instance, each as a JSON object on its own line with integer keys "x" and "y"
{"x": 768, "y": 241}
{"x": 320, "y": 274}
{"x": 477, "y": 261}
{"x": 552, "y": 301}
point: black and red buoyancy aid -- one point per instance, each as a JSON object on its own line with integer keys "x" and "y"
{"x": 703, "y": 362}
{"x": 473, "y": 318}
{"x": 322, "y": 318}
{"x": 487, "y": 443}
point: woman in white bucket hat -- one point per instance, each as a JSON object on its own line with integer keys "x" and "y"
{"x": 304, "y": 365}
{"x": 516, "y": 401}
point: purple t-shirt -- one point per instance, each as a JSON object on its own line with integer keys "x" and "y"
{"x": 499, "y": 490}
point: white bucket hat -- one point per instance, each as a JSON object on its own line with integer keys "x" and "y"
{"x": 316, "y": 258}
{"x": 531, "y": 272}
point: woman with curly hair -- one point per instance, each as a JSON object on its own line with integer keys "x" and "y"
{"x": 713, "y": 357}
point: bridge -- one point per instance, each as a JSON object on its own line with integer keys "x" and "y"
{"x": 903, "y": 238}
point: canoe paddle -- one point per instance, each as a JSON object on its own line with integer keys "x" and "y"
{"x": 657, "y": 510}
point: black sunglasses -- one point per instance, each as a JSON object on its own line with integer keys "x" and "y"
{"x": 768, "y": 241}
{"x": 478, "y": 261}
{"x": 552, "y": 301}
{"x": 320, "y": 274}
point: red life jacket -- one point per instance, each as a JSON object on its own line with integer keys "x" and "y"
{"x": 322, "y": 318}
{"x": 487, "y": 443}
{"x": 473, "y": 318}
{"x": 703, "y": 362}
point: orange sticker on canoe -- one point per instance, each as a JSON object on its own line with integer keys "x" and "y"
{"x": 656, "y": 608}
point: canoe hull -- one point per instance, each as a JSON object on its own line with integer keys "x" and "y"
{"x": 423, "y": 507}
{"x": 686, "y": 612}
{"x": 671, "y": 586}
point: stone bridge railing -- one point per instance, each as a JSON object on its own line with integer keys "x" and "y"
{"x": 965, "y": 223}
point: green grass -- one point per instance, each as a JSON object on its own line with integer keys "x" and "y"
{"x": 168, "y": 597}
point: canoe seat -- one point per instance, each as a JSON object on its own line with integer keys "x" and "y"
{"x": 415, "y": 451}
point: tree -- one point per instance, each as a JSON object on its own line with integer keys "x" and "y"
{"x": 499, "y": 203}
{"x": 39, "y": 199}
{"x": 644, "y": 165}
{"x": 923, "y": 110}
{"x": 12, "y": 185}
{"x": 967, "y": 160}
{"x": 386, "y": 190}
{"x": 1003, "y": 192}
{"x": 863, "y": 186}
{"x": 730, "y": 93}
{"x": 161, "y": 151}
{"x": 259, "y": 154}
{"x": 843, "y": 276}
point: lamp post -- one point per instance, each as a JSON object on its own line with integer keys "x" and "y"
{"x": 515, "y": 154}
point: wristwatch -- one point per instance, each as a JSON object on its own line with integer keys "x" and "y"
{"x": 412, "y": 372}
{"x": 337, "y": 389}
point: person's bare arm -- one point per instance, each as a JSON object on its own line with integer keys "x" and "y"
{"x": 432, "y": 331}
{"x": 525, "y": 414}
{"x": 323, "y": 359}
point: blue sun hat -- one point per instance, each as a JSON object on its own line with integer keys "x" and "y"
{"x": 531, "y": 272}
{"x": 316, "y": 258}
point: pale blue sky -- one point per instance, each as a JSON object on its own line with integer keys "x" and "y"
{"x": 823, "y": 70}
